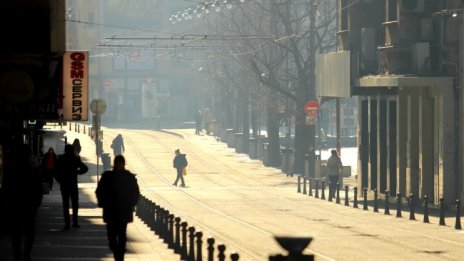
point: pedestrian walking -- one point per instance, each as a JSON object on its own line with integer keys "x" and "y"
{"x": 179, "y": 163}
{"x": 334, "y": 166}
{"x": 22, "y": 186}
{"x": 118, "y": 145}
{"x": 208, "y": 119}
{"x": 69, "y": 167}
{"x": 117, "y": 193}
{"x": 49, "y": 162}
{"x": 198, "y": 119}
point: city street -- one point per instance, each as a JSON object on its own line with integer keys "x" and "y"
{"x": 243, "y": 204}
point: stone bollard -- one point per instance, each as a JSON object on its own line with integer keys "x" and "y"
{"x": 330, "y": 191}
{"x": 411, "y": 207}
{"x": 365, "y": 199}
{"x": 323, "y": 190}
{"x": 442, "y": 212}
{"x": 310, "y": 192}
{"x": 304, "y": 185}
{"x": 221, "y": 250}
{"x": 398, "y": 205}
{"x": 210, "y": 242}
{"x": 458, "y": 214}
{"x": 183, "y": 247}
{"x": 191, "y": 254}
{"x": 387, "y": 203}
{"x": 376, "y": 200}
{"x": 347, "y": 200}
{"x": 317, "y": 189}
{"x": 355, "y": 198}
{"x": 171, "y": 231}
{"x": 177, "y": 237}
{"x": 199, "y": 236}
{"x": 337, "y": 189}
{"x": 299, "y": 185}
{"x": 234, "y": 257}
{"x": 426, "y": 209}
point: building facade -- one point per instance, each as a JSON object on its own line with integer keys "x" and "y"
{"x": 405, "y": 68}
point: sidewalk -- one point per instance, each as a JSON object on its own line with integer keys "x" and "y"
{"x": 88, "y": 242}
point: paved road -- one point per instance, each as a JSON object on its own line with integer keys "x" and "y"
{"x": 243, "y": 204}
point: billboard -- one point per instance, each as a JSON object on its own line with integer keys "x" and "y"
{"x": 75, "y": 86}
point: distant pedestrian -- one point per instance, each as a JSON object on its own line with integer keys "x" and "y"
{"x": 198, "y": 119}
{"x": 117, "y": 193}
{"x": 208, "y": 120}
{"x": 49, "y": 163}
{"x": 179, "y": 163}
{"x": 22, "y": 186}
{"x": 77, "y": 146}
{"x": 69, "y": 167}
{"x": 118, "y": 145}
{"x": 334, "y": 166}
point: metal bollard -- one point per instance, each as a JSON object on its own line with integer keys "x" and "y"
{"x": 317, "y": 189}
{"x": 411, "y": 207}
{"x": 234, "y": 257}
{"x": 177, "y": 237}
{"x": 347, "y": 202}
{"x": 183, "y": 247}
{"x": 323, "y": 190}
{"x": 355, "y": 198}
{"x": 70, "y": 128}
{"x": 442, "y": 212}
{"x": 171, "y": 231}
{"x": 365, "y": 199}
{"x": 330, "y": 191}
{"x": 387, "y": 203}
{"x": 299, "y": 185}
{"x": 84, "y": 129}
{"x": 221, "y": 250}
{"x": 310, "y": 193}
{"x": 376, "y": 200}
{"x": 191, "y": 254}
{"x": 458, "y": 214}
{"x": 199, "y": 236}
{"x": 338, "y": 193}
{"x": 426, "y": 209}
{"x": 210, "y": 241}
{"x": 163, "y": 232}
{"x": 304, "y": 185}
{"x": 78, "y": 128}
{"x": 398, "y": 205}
{"x": 158, "y": 215}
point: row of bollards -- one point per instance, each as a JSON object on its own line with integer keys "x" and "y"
{"x": 184, "y": 240}
{"x": 411, "y": 200}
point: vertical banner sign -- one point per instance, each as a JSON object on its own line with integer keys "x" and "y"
{"x": 75, "y": 85}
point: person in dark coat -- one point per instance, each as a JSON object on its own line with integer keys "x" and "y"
{"x": 69, "y": 167}
{"x": 334, "y": 167}
{"x": 22, "y": 185}
{"x": 117, "y": 193}
{"x": 49, "y": 163}
{"x": 77, "y": 146}
{"x": 118, "y": 145}
{"x": 179, "y": 163}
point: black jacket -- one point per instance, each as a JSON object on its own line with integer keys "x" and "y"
{"x": 117, "y": 194}
{"x": 69, "y": 167}
{"x": 180, "y": 161}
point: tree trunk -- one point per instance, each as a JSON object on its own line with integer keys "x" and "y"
{"x": 245, "y": 120}
{"x": 273, "y": 148}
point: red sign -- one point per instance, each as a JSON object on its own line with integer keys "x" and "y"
{"x": 311, "y": 107}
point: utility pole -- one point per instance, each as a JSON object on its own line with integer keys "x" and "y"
{"x": 312, "y": 84}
